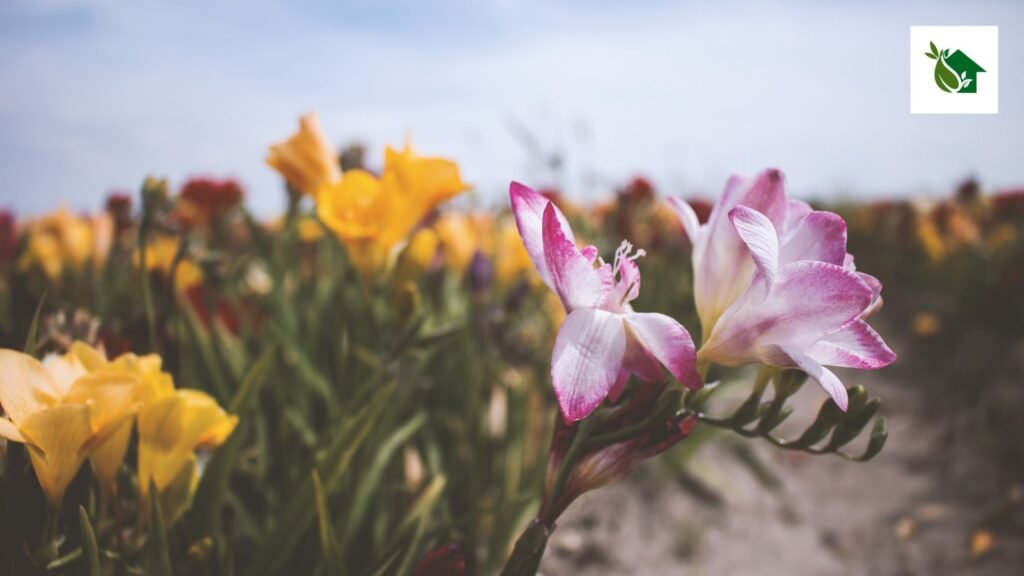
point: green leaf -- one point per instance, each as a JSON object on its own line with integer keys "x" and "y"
{"x": 424, "y": 504}
{"x": 370, "y": 479}
{"x": 932, "y": 56}
{"x": 204, "y": 516}
{"x": 299, "y": 511}
{"x": 934, "y": 49}
{"x": 30, "y": 338}
{"x": 92, "y": 551}
{"x": 156, "y": 556}
{"x": 252, "y": 382}
{"x": 328, "y": 542}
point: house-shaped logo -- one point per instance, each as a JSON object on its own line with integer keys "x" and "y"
{"x": 954, "y": 72}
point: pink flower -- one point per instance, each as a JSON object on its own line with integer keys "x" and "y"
{"x": 774, "y": 284}
{"x": 603, "y": 340}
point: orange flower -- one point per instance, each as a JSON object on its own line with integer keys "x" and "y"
{"x": 306, "y": 160}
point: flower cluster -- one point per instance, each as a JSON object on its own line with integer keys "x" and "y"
{"x": 79, "y": 405}
{"x": 371, "y": 214}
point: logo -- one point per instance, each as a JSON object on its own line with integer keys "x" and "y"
{"x": 954, "y": 69}
{"x": 954, "y": 72}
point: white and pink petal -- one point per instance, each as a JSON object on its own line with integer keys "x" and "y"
{"x": 855, "y": 346}
{"x": 573, "y": 277}
{"x": 587, "y": 360}
{"x": 668, "y": 341}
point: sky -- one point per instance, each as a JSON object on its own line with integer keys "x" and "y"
{"x": 95, "y": 95}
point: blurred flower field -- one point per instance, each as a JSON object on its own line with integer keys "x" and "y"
{"x": 390, "y": 378}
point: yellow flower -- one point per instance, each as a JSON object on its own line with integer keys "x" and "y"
{"x": 930, "y": 239}
{"x": 171, "y": 428}
{"x": 150, "y": 382}
{"x": 459, "y": 239}
{"x": 63, "y": 238}
{"x": 60, "y": 412}
{"x": 372, "y": 216}
{"x": 306, "y": 160}
{"x": 511, "y": 260}
{"x": 310, "y": 230}
{"x": 160, "y": 254}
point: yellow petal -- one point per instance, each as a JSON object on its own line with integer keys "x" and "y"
{"x": 106, "y": 459}
{"x": 64, "y": 371}
{"x": 26, "y": 386}
{"x": 57, "y": 439}
{"x": 306, "y": 160}
{"x": 110, "y": 394}
{"x": 172, "y": 427}
{"x": 354, "y": 207}
{"x": 9, "y": 431}
{"x": 89, "y": 357}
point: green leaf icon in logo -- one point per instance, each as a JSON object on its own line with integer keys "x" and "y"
{"x": 956, "y": 72}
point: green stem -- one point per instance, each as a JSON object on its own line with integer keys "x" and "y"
{"x": 529, "y": 549}
{"x": 147, "y": 297}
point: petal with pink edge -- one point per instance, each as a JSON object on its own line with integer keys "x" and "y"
{"x": 758, "y": 233}
{"x": 586, "y": 360}
{"x": 823, "y": 376}
{"x": 808, "y": 301}
{"x": 687, "y": 217}
{"x": 855, "y": 346}
{"x": 670, "y": 343}
{"x": 819, "y": 236}
{"x": 573, "y": 277}
{"x": 528, "y": 207}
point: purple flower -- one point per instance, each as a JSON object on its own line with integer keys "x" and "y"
{"x": 774, "y": 284}
{"x": 603, "y": 341}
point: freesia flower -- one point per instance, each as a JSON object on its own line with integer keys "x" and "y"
{"x": 150, "y": 382}
{"x": 60, "y": 412}
{"x": 774, "y": 284}
{"x": 306, "y": 160}
{"x": 171, "y": 428}
{"x": 373, "y": 215}
{"x": 602, "y": 341}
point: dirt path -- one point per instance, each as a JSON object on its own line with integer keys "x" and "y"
{"x": 904, "y": 513}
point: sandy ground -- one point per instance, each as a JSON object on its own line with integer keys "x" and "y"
{"x": 914, "y": 510}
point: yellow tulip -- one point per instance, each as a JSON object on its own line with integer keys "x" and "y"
{"x": 372, "y": 216}
{"x": 306, "y": 160}
{"x": 60, "y": 412}
{"x": 171, "y": 428}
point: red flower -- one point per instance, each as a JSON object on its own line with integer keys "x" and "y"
{"x": 1008, "y": 206}
{"x": 204, "y": 200}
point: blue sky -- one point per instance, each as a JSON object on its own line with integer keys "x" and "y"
{"x": 95, "y": 95}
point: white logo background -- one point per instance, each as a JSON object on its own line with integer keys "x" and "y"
{"x": 980, "y": 43}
